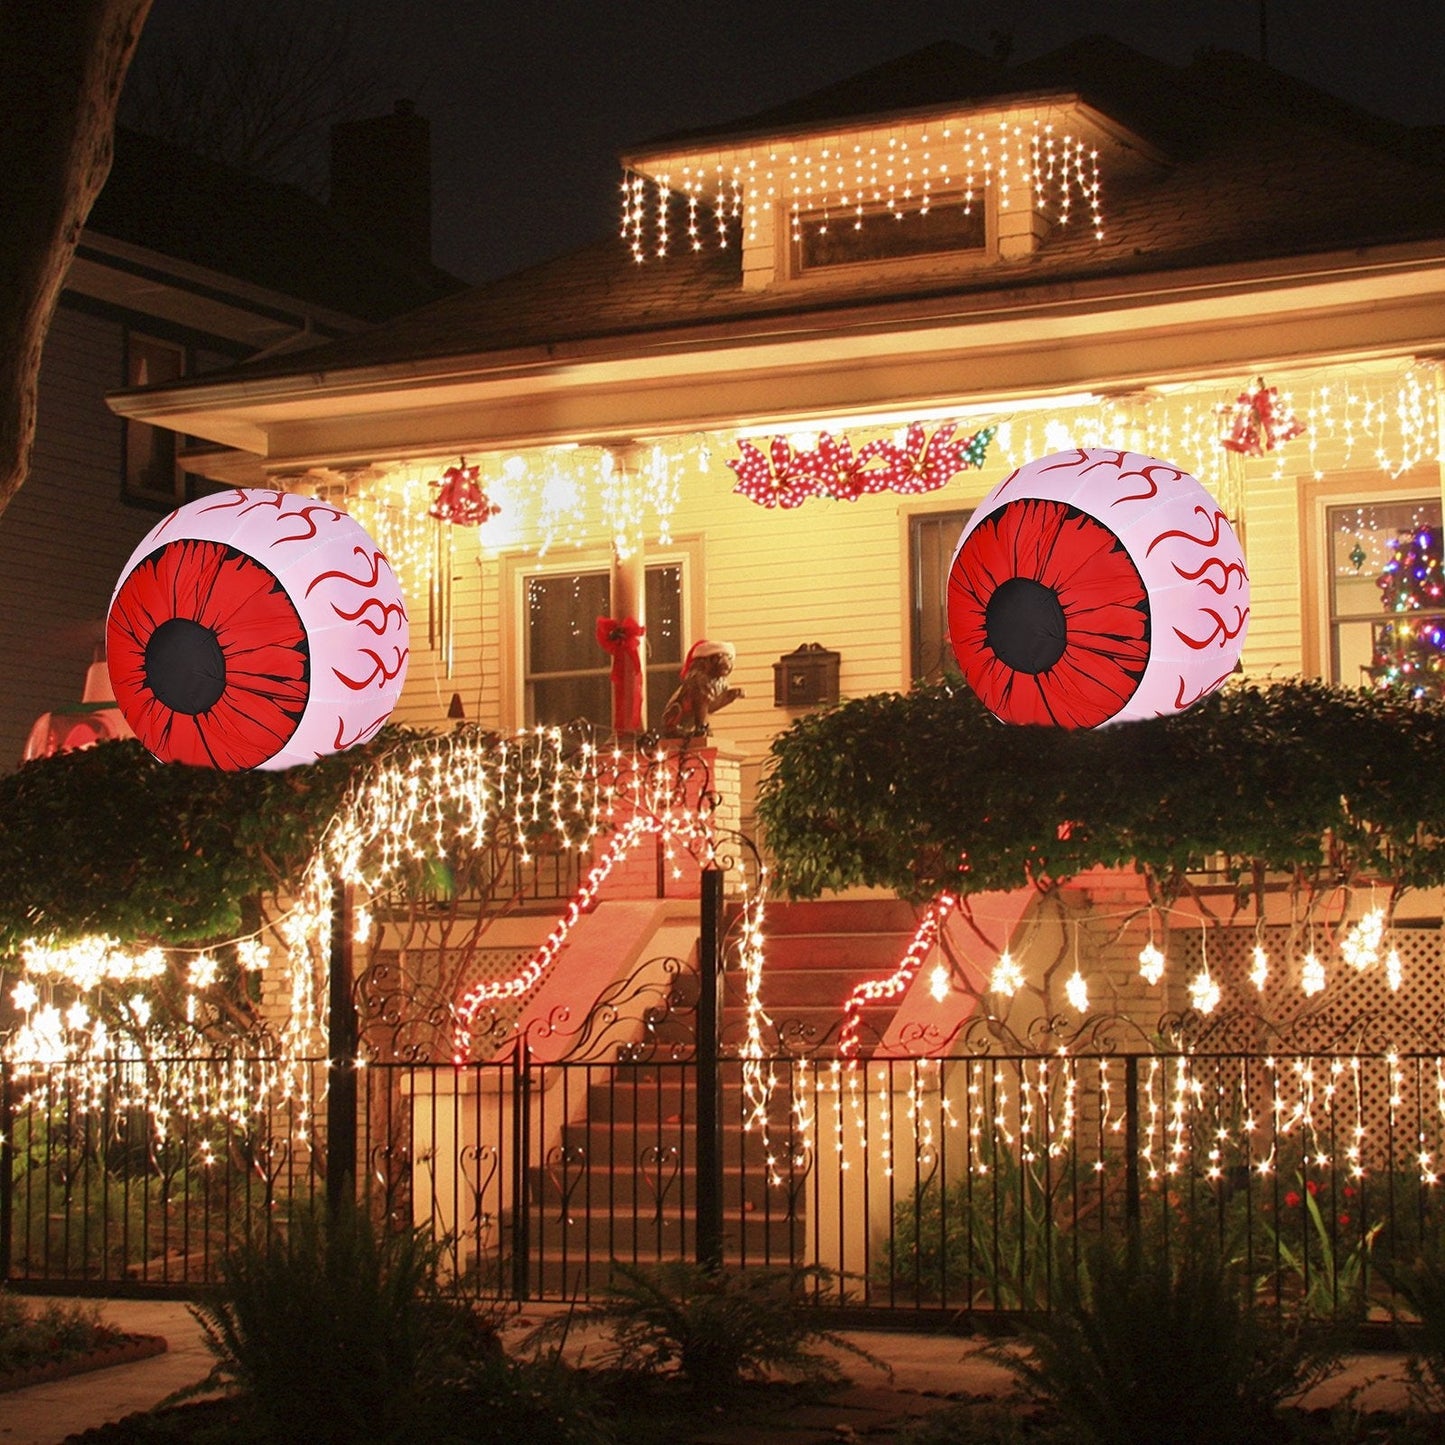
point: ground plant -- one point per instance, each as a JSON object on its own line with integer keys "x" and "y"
{"x": 718, "y": 1328}
{"x": 1143, "y": 1347}
{"x": 41, "y": 1332}
{"x": 334, "y": 1327}
{"x": 996, "y": 1239}
{"x": 341, "y": 1328}
{"x": 1419, "y": 1286}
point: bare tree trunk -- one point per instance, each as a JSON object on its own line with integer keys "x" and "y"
{"x": 62, "y": 63}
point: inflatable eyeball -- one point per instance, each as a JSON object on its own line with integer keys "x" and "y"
{"x": 1096, "y": 586}
{"x": 256, "y": 629}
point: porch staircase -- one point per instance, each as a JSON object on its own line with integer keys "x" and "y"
{"x": 619, "y": 1180}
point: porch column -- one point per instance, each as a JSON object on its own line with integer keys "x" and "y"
{"x": 629, "y": 577}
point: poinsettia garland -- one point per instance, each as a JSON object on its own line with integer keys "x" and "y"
{"x": 783, "y": 477}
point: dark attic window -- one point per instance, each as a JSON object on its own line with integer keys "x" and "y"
{"x": 879, "y": 234}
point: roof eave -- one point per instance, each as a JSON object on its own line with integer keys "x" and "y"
{"x": 390, "y": 407}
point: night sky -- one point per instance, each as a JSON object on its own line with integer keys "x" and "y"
{"x": 530, "y": 101}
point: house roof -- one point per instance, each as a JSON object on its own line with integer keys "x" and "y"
{"x": 183, "y": 206}
{"x": 949, "y": 74}
{"x": 1257, "y": 168}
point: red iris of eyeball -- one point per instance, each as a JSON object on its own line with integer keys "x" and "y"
{"x": 1048, "y": 616}
{"x": 208, "y": 656}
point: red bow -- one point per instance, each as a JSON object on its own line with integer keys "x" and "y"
{"x": 621, "y": 639}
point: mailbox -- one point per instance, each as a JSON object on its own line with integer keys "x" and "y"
{"x": 807, "y": 677}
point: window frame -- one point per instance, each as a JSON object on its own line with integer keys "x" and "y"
{"x": 789, "y": 260}
{"x": 911, "y": 518}
{"x": 132, "y": 490}
{"x": 1319, "y": 647}
{"x": 519, "y": 567}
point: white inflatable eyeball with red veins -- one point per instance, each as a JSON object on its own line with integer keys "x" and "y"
{"x": 1096, "y": 586}
{"x": 256, "y": 629}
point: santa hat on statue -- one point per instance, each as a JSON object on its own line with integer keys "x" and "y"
{"x": 704, "y": 648}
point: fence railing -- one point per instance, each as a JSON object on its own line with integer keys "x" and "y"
{"x": 955, "y": 1184}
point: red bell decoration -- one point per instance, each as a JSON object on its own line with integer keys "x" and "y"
{"x": 1259, "y": 421}
{"x": 1276, "y": 418}
{"x": 621, "y": 639}
{"x": 460, "y": 499}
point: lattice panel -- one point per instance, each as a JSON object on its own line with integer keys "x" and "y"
{"x": 1356, "y": 1009}
{"x": 1358, "y": 1065}
{"x": 406, "y": 995}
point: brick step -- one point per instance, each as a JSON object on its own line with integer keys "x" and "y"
{"x": 559, "y": 1277}
{"x": 636, "y": 1181}
{"x": 599, "y": 1235}
{"x": 669, "y": 1099}
{"x": 619, "y": 1144}
{"x": 841, "y": 915}
{"x": 814, "y": 988}
{"x": 868, "y": 954}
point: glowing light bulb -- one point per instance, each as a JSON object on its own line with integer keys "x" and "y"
{"x": 1204, "y": 993}
{"x": 1007, "y": 978}
{"x": 1151, "y": 963}
{"x": 1360, "y": 947}
{"x": 1394, "y": 972}
{"x": 1077, "y": 991}
{"x": 202, "y": 972}
{"x": 1312, "y": 975}
{"x": 938, "y": 983}
{"x": 252, "y": 955}
{"x": 1259, "y": 972}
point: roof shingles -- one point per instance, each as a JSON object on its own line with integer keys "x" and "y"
{"x": 1259, "y": 168}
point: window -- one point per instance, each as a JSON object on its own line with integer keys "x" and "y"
{"x": 932, "y": 540}
{"x": 566, "y": 674}
{"x": 151, "y": 474}
{"x": 874, "y": 233}
{"x": 1361, "y": 540}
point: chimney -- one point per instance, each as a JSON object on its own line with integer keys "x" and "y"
{"x": 381, "y": 179}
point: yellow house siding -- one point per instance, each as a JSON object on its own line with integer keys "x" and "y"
{"x": 1272, "y": 542}
{"x": 837, "y": 573}
{"x": 475, "y": 645}
{"x": 834, "y": 573}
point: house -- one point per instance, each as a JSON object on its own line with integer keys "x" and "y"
{"x": 1212, "y": 264}
{"x": 184, "y": 268}
{"x": 1088, "y": 248}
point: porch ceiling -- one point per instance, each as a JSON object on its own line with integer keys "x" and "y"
{"x": 989, "y": 348}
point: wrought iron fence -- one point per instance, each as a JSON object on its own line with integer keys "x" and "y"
{"x": 929, "y": 1185}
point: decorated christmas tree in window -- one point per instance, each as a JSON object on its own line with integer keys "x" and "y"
{"x": 1409, "y": 647}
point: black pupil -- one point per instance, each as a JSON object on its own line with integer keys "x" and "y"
{"x": 185, "y": 667}
{"x": 1024, "y": 625}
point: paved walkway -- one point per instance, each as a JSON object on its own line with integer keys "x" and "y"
{"x": 46, "y": 1414}
{"x": 927, "y": 1369}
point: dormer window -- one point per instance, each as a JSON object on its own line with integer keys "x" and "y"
{"x": 877, "y": 232}
{"x": 921, "y": 188}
